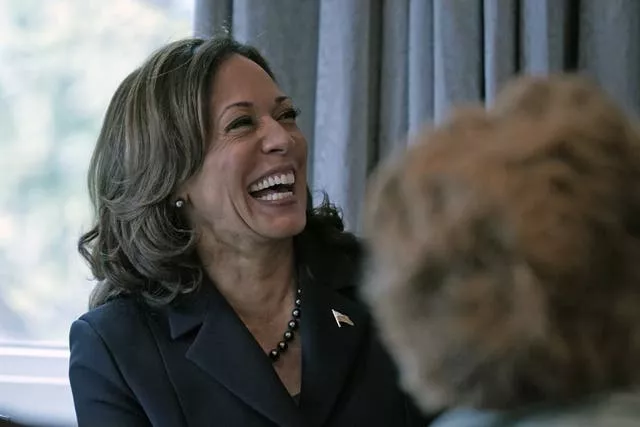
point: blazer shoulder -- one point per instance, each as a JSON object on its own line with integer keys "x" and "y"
{"x": 102, "y": 367}
{"x": 336, "y": 261}
{"x": 119, "y": 317}
{"x": 345, "y": 267}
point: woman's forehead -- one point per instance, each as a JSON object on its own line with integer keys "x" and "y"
{"x": 239, "y": 80}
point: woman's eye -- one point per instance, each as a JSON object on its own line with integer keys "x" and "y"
{"x": 240, "y": 122}
{"x": 290, "y": 115}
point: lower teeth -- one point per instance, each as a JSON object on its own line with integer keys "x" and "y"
{"x": 276, "y": 196}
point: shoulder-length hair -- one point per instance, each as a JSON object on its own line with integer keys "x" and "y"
{"x": 153, "y": 139}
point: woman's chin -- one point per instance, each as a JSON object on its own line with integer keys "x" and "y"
{"x": 282, "y": 227}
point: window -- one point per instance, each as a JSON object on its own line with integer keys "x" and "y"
{"x": 61, "y": 62}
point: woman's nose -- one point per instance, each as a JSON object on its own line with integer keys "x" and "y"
{"x": 275, "y": 137}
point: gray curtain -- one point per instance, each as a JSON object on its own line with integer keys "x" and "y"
{"x": 367, "y": 73}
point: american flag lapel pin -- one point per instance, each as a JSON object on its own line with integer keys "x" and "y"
{"x": 341, "y": 318}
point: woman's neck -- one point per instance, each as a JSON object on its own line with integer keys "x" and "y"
{"x": 256, "y": 282}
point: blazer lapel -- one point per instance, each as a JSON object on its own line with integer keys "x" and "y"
{"x": 225, "y": 350}
{"x": 328, "y": 349}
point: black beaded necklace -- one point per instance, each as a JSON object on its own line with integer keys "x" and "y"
{"x": 289, "y": 334}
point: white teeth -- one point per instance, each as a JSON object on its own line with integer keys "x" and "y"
{"x": 276, "y": 196}
{"x": 282, "y": 178}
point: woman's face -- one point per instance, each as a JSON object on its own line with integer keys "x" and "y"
{"x": 252, "y": 185}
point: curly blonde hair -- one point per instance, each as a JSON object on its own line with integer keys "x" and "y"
{"x": 504, "y": 246}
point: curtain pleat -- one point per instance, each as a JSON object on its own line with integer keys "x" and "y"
{"x": 367, "y": 73}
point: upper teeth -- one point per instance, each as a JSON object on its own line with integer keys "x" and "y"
{"x": 269, "y": 181}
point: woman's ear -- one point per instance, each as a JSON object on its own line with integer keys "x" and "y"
{"x": 180, "y": 197}
{"x": 179, "y": 200}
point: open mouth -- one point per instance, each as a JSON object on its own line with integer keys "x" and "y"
{"x": 279, "y": 186}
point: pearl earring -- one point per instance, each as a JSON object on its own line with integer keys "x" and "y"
{"x": 179, "y": 203}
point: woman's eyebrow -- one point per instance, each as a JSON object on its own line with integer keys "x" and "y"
{"x": 247, "y": 104}
{"x": 282, "y": 98}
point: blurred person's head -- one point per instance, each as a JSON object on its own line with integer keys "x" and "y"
{"x": 504, "y": 250}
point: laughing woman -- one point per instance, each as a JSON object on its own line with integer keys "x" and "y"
{"x": 223, "y": 297}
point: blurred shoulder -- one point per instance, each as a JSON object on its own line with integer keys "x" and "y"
{"x": 608, "y": 410}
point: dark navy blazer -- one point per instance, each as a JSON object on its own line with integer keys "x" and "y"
{"x": 196, "y": 364}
